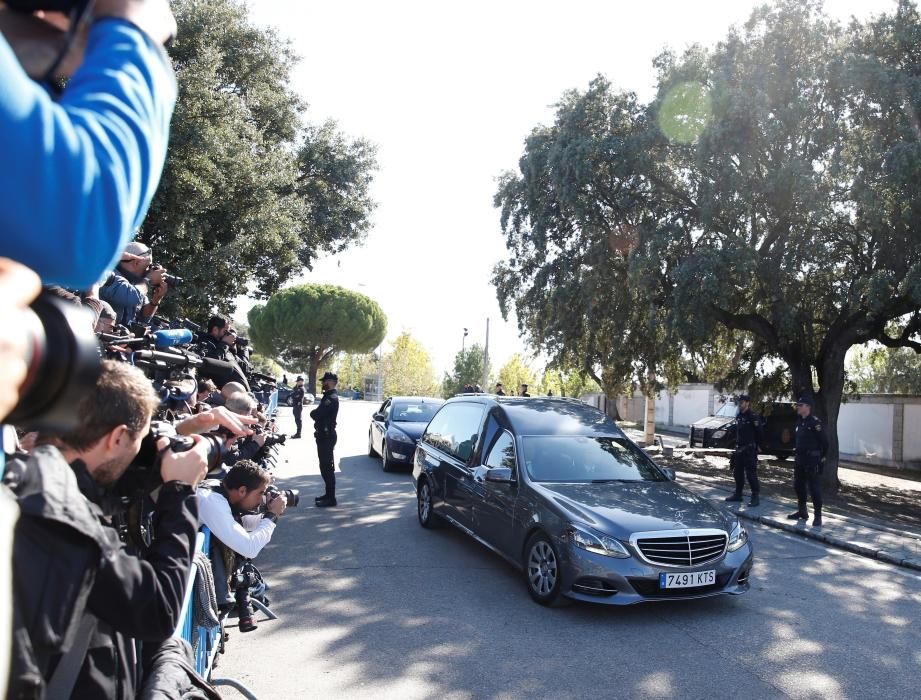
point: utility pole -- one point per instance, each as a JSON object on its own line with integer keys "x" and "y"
{"x": 486, "y": 359}
{"x": 463, "y": 342}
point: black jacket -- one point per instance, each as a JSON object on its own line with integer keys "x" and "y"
{"x": 135, "y": 598}
{"x": 811, "y": 441}
{"x": 221, "y": 364}
{"x": 297, "y": 397}
{"x": 324, "y": 415}
{"x": 748, "y": 431}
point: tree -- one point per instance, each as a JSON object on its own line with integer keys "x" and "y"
{"x": 352, "y": 368}
{"x": 570, "y": 383}
{"x": 516, "y": 372}
{"x": 408, "y": 369}
{"x": 310, "y": 323}
{"x": 249, "y": 195}
{"x": 266, "y": 365}
{"x": 469, "y": 367}
{"x": 884, "y": 370}
{"x": 768, "y": 193}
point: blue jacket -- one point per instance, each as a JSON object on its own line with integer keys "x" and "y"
{"x": 77, "y": 175}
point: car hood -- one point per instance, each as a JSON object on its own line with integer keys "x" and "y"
{"x": 713, "y": 422}
{"x": 411, "y": 430}
{"x": 620, "y": 509}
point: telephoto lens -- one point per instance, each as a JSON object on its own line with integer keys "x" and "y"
{"x": 64, "y": 364}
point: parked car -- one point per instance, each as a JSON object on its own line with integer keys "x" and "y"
{"x": 397, "y": 426}
{"x": 557, "y": 489}
{"x": 777, "y": 436}
{"x": 284, "y": 396}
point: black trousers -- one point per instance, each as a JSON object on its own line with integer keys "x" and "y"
{"x": 807, "y": 476}
{"x": 325, "y": 446}
{"x": 746, "y": 467}
{"x": 297, "y": 417}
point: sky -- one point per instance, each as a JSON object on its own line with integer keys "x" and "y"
{"x": 448, "y": 92}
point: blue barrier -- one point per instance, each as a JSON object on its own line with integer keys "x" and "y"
{"x": 206, "y": 641}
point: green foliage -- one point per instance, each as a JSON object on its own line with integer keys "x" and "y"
{"x": 408, "y": 369}
{"x": 310, "y": 323}
{"x": 786, "y": 228}
{"x": 249, "y": 196}
{"x": 352, "y": 368}
{"x": 884, "y": 371}
{"x": 266, "y": 365}
{"x": 567, "y": 383}
{"x": 514, "y": 373}
{"x": 469, "y": 367}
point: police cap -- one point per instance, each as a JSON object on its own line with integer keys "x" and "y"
{"x": 329, "y": 376}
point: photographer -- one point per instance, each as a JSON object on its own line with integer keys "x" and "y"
{"x": 129, "y": 598}
{"x": 104, "y": 138}
{"x": 217, "y": 344}
{"x": 229, "y": 511}
{"x": 127, "y": 288}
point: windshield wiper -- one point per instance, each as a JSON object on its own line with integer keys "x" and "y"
{"x": 609, "y": 481}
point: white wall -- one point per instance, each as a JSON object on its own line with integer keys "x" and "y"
{"x": 911, "y": 434}
{"x": 691, "y": 405}
{"x": 866, "y": 429}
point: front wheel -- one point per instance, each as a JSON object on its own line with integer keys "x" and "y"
{"x": 425, "y": 506}
{"x": 543, "y": 571}
{"x": 386, "y": 464}
{"x": 371, "y": 451}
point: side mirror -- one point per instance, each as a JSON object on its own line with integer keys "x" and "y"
{"x": 378, "y": 416}
{"x": 499, "y": 475}
{"x": 669, "y": 473}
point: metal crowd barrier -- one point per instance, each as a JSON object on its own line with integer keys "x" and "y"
{"x": 206, "y": 642}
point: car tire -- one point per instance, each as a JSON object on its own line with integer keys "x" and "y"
{"x": 425, "y": 506}
{"x": 386, "y": 464}
{"x": 371, "y": 451}
{"x": 543, "y": 571}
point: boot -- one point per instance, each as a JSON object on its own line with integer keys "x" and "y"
{"x": 326, "y": 502}
{"x": 817, "y": 518}
{"x": 736, "y": 497}
{"x": 296, "y": 436}
{"x": 755, "y": 501}
{"x": 247, "y": 621}
{"x": 801, "y": 514}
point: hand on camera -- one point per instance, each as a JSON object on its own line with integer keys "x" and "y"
{"x": 277, "y": 505}
{"x": 189, "y": 467}
{"x": 259, "y": 439}
{"x": 18, "y": 288}
{"x": 207, "y": 421}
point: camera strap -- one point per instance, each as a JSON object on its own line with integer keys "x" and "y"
{"x": 65, "y": 675}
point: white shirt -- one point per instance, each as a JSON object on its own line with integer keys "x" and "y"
{"x": 214, "y": 511}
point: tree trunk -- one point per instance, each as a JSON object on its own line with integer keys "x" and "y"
{"x": 649, "y": 432}
{"x": 828, "y": 406}
{"x": 312, "y": 366}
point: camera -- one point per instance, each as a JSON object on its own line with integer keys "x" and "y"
{"x": 65, "y": 6}
{"x": 64, "y": 364}
{"x": 292, "y": 496}
{"x": 143, "y": 475}
{"x": 172, "y": 281}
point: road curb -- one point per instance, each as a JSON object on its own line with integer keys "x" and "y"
{"x": 831, "y": 540}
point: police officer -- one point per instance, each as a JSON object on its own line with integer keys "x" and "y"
{"x": 297, "y": 403}
{"x": 324, "y": 423}
{"x": 524, "y": 391}
{"x": 745, "y": 457}
{"x": 811, "y": 447}
{"x": 499, "y": 390}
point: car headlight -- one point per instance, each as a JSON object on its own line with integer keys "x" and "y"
{"x": 400, "y": 437}
{"x": 738, "y": 537}
{"x": 597, "y": 543}
{"x": 719, "y": 434}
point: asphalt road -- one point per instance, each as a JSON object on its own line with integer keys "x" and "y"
{"x": 373, "y": 606}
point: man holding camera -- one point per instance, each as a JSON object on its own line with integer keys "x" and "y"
{"x": 230, "y": 511}
{"x": 324, "y": 424}
{"x": 130, "y": 598}
{"x": 127, "y": 288}
{"x": 217, "y": 344}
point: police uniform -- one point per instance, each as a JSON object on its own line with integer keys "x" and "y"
{"x": 297, "y": 404}
{"x": 745, "y": 456}
{"x": 324, "y": 423}
{"x": 811, "y": 447}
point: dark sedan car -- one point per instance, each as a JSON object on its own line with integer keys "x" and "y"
{"x": 555, "y": 487}
{"x": 397, "y": 426}
{"x": 777, "y": 435}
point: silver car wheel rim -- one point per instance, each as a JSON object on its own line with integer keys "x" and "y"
{"x": 542, "y": 568}
{"x": 425, "y": 502}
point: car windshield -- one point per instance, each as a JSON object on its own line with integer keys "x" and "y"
{"x": 728, "y": 410}
{"x": 583, "y": 459}
{"x": 413, "y": 412}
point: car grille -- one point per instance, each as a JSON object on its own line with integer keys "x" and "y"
{"x": 650, "y": 589}
{"x": 683, "y": 550}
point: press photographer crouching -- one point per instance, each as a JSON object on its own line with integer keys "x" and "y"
{"x": 77, "y": 633}
{"x": 241, "y": 511}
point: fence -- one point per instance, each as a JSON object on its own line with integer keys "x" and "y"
{"x": 873, "y": 429}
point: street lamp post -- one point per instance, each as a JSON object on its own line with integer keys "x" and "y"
{"x": 463, "y": 342}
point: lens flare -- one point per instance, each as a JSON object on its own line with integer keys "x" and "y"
{"x": 685, "y": 112}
